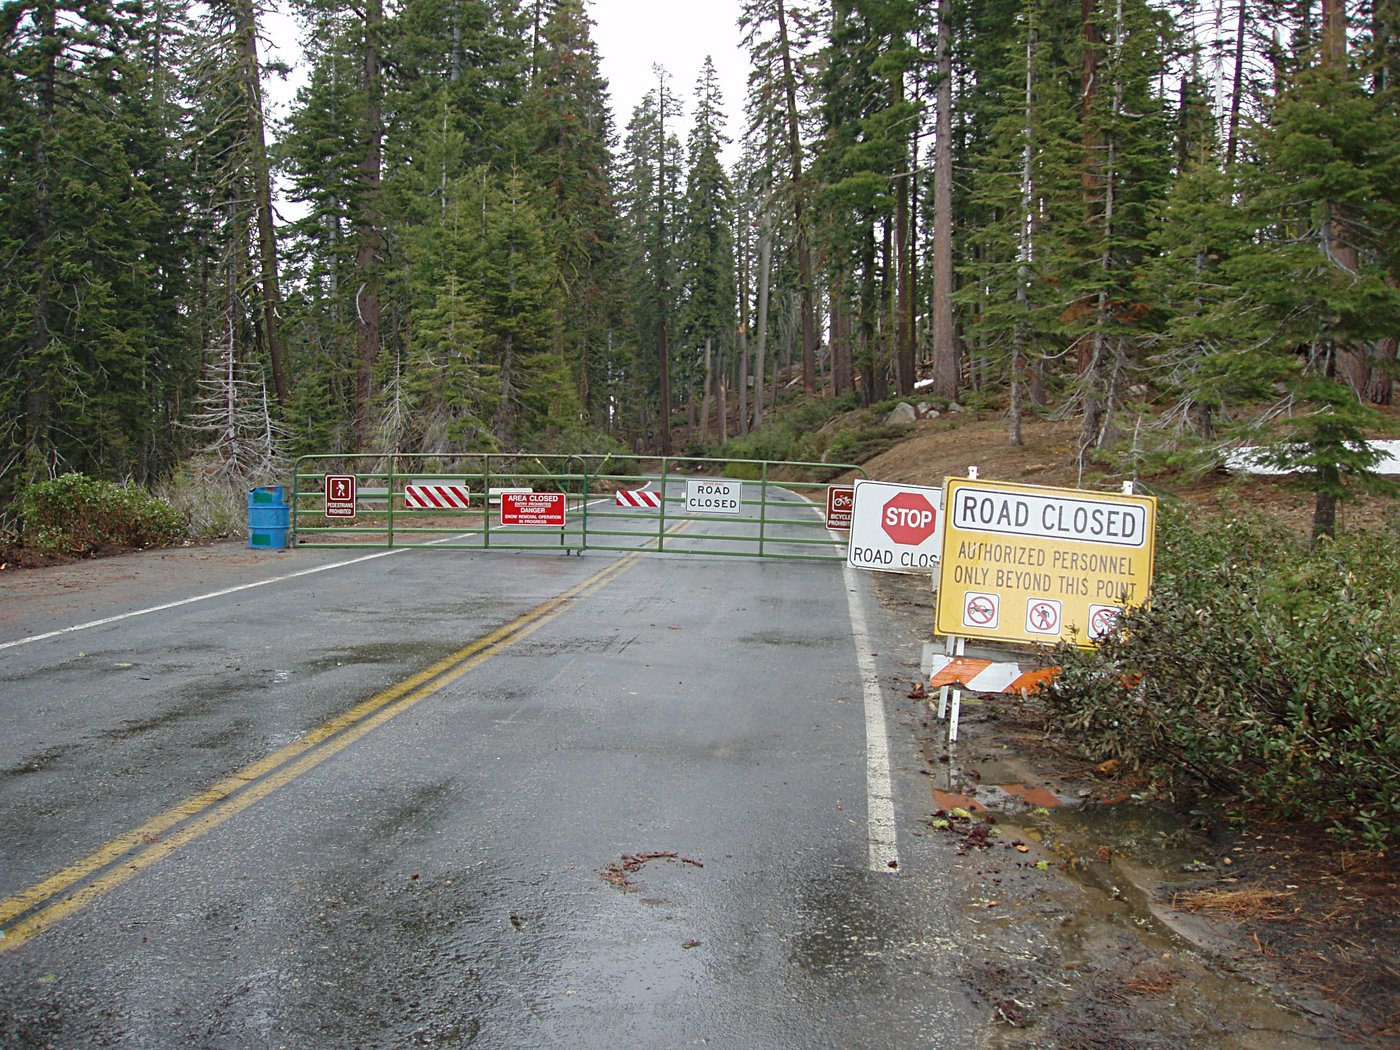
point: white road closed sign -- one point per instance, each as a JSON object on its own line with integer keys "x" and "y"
{"x": 895, "y": 528}
{"x": 721, "y": 496}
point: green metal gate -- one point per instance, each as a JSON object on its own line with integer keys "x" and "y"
{"x": 736, "y": 508}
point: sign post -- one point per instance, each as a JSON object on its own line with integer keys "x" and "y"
{"x": 1026, "y": 563}
{"x": 895, "y": 528}
{"x": 340, "y": 495}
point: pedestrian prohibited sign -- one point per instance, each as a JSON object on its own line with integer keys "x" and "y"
{"x": 340, "y": 495}
{"x": 1043, "y": 617}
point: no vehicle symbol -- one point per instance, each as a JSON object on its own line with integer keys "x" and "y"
{"x": 1043, "y": 616}
{"x": 981, "y": 610}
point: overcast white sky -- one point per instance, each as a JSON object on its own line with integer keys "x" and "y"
{"x": 632, "y": 36}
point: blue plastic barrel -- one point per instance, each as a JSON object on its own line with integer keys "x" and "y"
{"x": 269, "y": 518}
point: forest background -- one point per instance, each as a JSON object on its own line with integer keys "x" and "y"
{"x": 1178, "y": 211}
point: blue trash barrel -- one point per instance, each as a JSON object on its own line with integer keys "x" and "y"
{"x": 269, "y": 518}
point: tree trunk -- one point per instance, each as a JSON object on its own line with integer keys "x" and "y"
{"x": 804, "y": 255}
{"x": 765, "y": 259}
{"x": 247, "y": 30}
{"x": 705, "y": 393}
{"x": 1026, "y": 249}
{"x": 38, "y": 442}
{"x": 945, "y": 350}
{"x": 662, "y": 354}
{"x": 1337, "y": 247}
{"x": 1237, "y": 85}
{"x": 367, "y": 229}
{"x": 868, "y": 351}
{"x": 841, "y": 380}
{"x": 741, "y": 424}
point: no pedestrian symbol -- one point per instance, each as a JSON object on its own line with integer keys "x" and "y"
{"x": 1043, "y": 616}
{"x": 980, "y": 610}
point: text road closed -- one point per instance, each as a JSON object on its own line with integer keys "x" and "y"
{"x": 895, "y": 528}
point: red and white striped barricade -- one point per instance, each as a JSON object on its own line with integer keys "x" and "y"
{"x": 642, "y": 499}
{"x": 436, "y": 496}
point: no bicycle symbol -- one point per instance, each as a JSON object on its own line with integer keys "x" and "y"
{"x": 1103, "y": 620}
{"x": 981, "y": 610}
{"x": 1043, "y": 616}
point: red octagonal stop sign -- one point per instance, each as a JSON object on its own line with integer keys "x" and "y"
{"x": 908, "y": 518}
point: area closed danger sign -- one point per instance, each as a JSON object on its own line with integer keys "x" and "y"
{"x": 543, "y": 509}
{"x": 895, "y": 528}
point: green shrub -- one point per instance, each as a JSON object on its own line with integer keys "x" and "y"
{"x": 75, "y": 514}
{"x": 857, "y": 446}
{"x": 1262, "y": 671}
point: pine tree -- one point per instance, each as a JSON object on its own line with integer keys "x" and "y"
{"x": 650, "y": 207}
{"x": 84, "y": 379}
{"x": 707, "y": 239}
{"x": 566, "y": 109}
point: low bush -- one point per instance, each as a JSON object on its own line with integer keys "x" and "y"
{"x": 75, "y": 514}
{"x": 1262, "y": 671}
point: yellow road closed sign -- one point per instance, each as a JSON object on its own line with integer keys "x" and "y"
{"x": 1026, "y": 563}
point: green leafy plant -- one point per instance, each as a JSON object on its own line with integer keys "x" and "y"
{"x": 75, "y": 514}
{"x": 1263, "y": 670}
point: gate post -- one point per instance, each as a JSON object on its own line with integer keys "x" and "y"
{"x": 393, "y": 463}
{"x": 486, "y": 501}
{"x": 661, "y": 516}
{"x": 762, "y": 507}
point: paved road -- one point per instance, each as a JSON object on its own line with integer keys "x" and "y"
{"x": 454, "y": 798}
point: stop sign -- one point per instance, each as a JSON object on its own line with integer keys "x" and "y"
{"x": 908, "y": 518}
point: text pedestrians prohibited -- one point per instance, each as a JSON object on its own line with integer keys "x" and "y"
{"x": 895, "y": 528}
{"x": 1062, "y": 563}
{"x": 340, "y": 495}
{"x": 840, "y": 500}
{"x": 533, "y": 509}
{"x": 720, "y": 496}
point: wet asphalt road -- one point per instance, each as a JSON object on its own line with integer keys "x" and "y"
{"x": 448, "y": 864}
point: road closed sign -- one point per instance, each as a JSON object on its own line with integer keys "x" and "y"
{"x": 895, "y": 528}
{"x": 1025, "y": 563}
{"x": 720, "y": 496}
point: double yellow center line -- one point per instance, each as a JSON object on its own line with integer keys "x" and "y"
{"x": 37, "y": 908}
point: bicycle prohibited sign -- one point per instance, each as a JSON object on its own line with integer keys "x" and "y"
{"x": 1103, "y": 620}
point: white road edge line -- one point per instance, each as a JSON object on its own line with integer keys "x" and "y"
{"x": 218, "y": 594}
{"x": 879, "y": 789}
{"x": 879, "y": 793}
